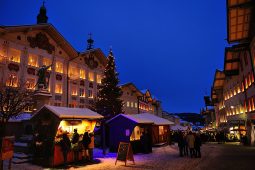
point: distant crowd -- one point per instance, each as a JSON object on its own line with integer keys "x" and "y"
{"x": 189, "y": 144}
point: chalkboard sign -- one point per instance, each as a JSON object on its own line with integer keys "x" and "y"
{"x": 125, "y": 153}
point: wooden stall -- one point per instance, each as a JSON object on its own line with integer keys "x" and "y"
{"x": 160, "y": 127}
{"x": 50, "y": 122}
{"x": 126, "y": 128}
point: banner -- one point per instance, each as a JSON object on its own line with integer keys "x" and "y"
{"x": 7, "y": 149}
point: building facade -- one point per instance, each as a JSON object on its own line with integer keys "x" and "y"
{"x": 233, "y": 91}
{"x": 137, "y": 101}
{"x": 72, "y": 76}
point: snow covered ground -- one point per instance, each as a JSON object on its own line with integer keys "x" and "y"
{"x": 162, "y": 158}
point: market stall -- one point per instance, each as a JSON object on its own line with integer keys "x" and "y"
{"x": 126, "y": 128}
{"x": 160, "y": 128}
{"x": 51, "y": 122}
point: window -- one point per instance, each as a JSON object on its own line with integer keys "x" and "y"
{"x": 132, "y": 104}
{"x": 73, "y": 72}
{"x": 30, "y": 83}
{"x": 128, "y": 104}
{"x": 33, "y": 60}
{"x": 58, "y": 88}
{"x": 91, "y": 76}
{"x": 82, "y": 74}
{"x": 82, "y": 92}
{"x": 74, "y": 90}
{"x": 47, "y": 62}
{"x": 135, "y": 105}
{"x": 59, "y": 67}
{"x": 57, "y": 104}
{"x": 99, "y": 78}
{"x": 90, "y": 95}
{"x": 14, "y": 55}
{"x": 161, "y": 130}
{"x": 12, "y": 80}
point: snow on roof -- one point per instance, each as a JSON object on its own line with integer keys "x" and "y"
{"x": 179, "y": 127}
{"x": 155, "y": 119}
{"x": 21, "y": 117}
{"x": 144, "y": 91}
{"x": 131, "y": 117}
{"x": 66, "y": 112}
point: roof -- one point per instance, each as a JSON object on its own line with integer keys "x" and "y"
{"x": 155, "y": 119}
{"x": 74, "y": 113}
{"x": 21, "y": 117}
{"x": 179, "y": 127}
{"x": 50, "y": 29}
{"x": 132, "y": 118}
{"x": 133, "y": 88}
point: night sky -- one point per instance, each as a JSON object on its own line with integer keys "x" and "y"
{"x": 170, "y": 47}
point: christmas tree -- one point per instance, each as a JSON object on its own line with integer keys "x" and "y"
{"x": 108, "y": 101}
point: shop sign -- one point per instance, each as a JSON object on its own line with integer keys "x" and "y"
{"x": 236, "y": 122}
{"x": 7, "y": 148}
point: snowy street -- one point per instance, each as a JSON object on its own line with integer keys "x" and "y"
{"x": 214, "y": 156}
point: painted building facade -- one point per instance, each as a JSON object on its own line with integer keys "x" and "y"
{"x": 139, "y": 101}
{"x": 73, "y": 76}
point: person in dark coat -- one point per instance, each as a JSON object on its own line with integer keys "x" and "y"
{"x": 75, "y": 142}
{"x": 180, "y": 143}
{"x": 65, "y": 144}
{"x": 86, "y": 141}
{"x": 198, "y": 144}
{"x": 144, "y": 142}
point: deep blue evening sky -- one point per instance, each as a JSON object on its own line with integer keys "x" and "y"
{"x": 170, "y": 47}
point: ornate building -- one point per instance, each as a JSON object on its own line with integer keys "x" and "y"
{"x": 73, "y": 76}
{"x": 139, "y": 101}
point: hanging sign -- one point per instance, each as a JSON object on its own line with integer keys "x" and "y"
{"x": 125, "y": 153}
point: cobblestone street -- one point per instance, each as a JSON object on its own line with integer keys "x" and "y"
{"x": 214, "y": 156}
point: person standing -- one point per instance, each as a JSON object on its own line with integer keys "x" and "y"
{"x": 65, "y": 144}
{"x": 75, "y": 142}
{"x": 186, "y": 148}
{"x": 191, "y": 142}
{"x": 91, "y": 146}
{"x": 180, "y": 143}
{"x": 198, "y": 144}
{"x": 86, "y": 140}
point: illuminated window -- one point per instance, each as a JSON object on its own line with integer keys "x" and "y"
{"x": 14, "y": 55}
{"x": 30, "y": 83}
{"x": 90, "y": 95}
{"x": 99, "y": 78}
{"x": 74, "y": 90}
{"x": 135, "y": 105}
{"x": 82, "y": 92}
{"x": 12, "y": 81}
{"x": 132, "y": 104}
{"x": 82, "y": 74}
{"x": 91, "y": 76}
{"x": 59, "y": 67}
{"x": 33, "y": 60}
{"x": 58, "y": 88}
{"x": 136, "y": 134}
{"x": 161, "y": 130}
{"x": 128, "y": 104}
{"x": 47, "y": 62}
{"x": 73, "y": 72}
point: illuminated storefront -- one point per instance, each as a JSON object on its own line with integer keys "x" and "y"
{"x": 51, "y": 122}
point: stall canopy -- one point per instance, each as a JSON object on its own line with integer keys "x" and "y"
{"x": 179, "y": 127}
{"x": 155, "y": 119}
{"x": 66, "y": 112}
{"x": 134, "y": 119}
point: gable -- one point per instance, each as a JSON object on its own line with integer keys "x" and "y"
{"x": 43, "y": 36}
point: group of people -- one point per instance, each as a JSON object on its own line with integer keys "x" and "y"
{"x": 189, "y": 144}
{"x": 86, "y": 145}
